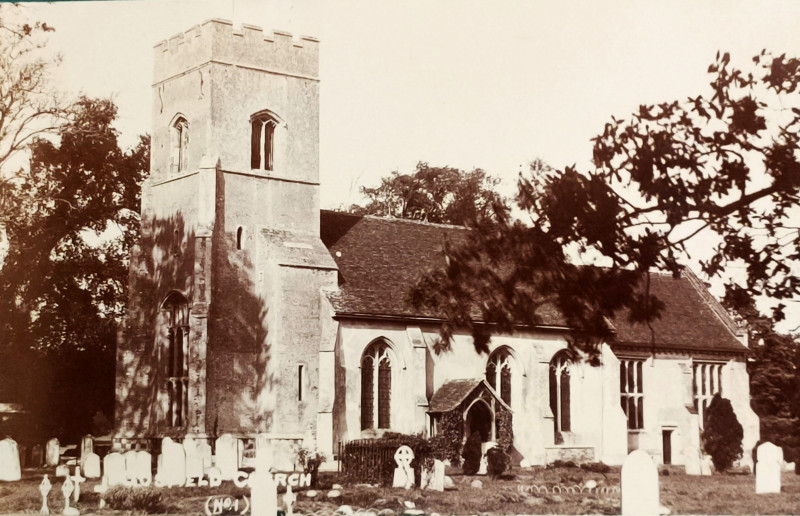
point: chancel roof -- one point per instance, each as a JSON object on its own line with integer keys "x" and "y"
{"x": 380, "y": 259}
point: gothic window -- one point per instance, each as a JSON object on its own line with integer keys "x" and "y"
{"x": 239, "y": 235}
{"x": 559, "y": 392}
{"x": 498, "y": 373}
{"x": 179, "y": 140}
{"x": 376, "y": 386}
{"x": 265, "y": 140}
{"x": 631, "y": 392}
{"x": 707, "y": 381}
{"x": 176, "y": 310}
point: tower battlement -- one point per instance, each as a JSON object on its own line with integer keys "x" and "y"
{"x": 219, "y": 41}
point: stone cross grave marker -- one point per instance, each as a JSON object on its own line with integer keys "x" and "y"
{"x": 263, "y": 494}
{"x": 403, "y": 474}
{"x": 52, "y": 452}
{"x": 114, "y": 469}
{"x": 91, "y": 465}
{"x": 44, "y": 489}
{"x": 66, "y": 490}
{"x": 768, "y": 468}
{"x": 77, "y": 480}
{"x": 10, "y": 468}
{"x": 227, "y": 456}
{"x": 288, "y": 500}
{"x": 639, "y": 485}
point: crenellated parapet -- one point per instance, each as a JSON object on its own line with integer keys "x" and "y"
{"x": 218, "y": 41}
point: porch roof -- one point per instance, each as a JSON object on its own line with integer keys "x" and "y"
{"x": 452, "y": 394}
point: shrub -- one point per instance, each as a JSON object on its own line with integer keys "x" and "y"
{"x": 561, "y": 464}
{"x": 372, "y": 460}
{"x": 595, "y": 467}
{"x": 498, "y": 461}
{"x": 310, "y": 461}
{"x": 472, "y": 454}
{"x": 505, "y": 432}
{"x": 450, "y": 435}
{"x": 722, "y": 437}
{"x": 137, "y": 499}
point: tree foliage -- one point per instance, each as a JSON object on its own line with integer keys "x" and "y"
{"x": 723, "y": 165}
{"x": 435, "y": 194}
{"x": 722, "y": 435}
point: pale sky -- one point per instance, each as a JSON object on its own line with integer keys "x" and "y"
{"x": 461, "y": 83}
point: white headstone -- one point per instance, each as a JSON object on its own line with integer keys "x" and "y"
{"x": 87, "y": 447}
{"x": 484, "y": 465}
{"x": 403, "y": 474}
{"x": 91, "y": 466}
{"x": 768, "y": 468}
{"x": 288, "y": 500}
{"x": 194, "y": 461}
{"x": 52, "y": 452}
{"x": 10, "y": 468}
{"x": 227, "y": 456}
{"x": 706, "y": 465}
{"x": 143, "y": 471}
{"x": 691, "y": 460}
{"x": 172, "y": 463}
{"x": 62, "y": 470}
{"x": 130, "y": 465}
{"x": 44, "y": 489}
{"x": 263, "y": 494}
{"x": 204, "y": 450}
{"x": 114, "y": 469}
{"x": 639, "y": 481}
{"x": 77, "y": 480}
{"x": 434, "y": 479}
{"x": 263, "y": 452}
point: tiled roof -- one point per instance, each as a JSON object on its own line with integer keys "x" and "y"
{"x": 380, "y": 259}
{"x": 453, "y": 392}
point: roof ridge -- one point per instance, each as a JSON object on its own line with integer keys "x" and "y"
{"x": 388, "y": 218}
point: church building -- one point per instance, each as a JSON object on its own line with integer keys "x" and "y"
{"x": 251, "y": 311}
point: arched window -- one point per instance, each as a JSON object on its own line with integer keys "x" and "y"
{"x": 176, "y": 311}
{"x": 179, "y": 142}
{"x": 559, "y": 392}
{"x": 239, "y": 235}
{"x": 498, "y": 373}
{"x": 266, "y": 140}
{"x": 376, "y": 385}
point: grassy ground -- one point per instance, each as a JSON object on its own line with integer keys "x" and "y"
{"x": 718, "y": 494}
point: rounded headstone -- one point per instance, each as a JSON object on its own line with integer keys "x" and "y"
{"x": 639, "y": 485}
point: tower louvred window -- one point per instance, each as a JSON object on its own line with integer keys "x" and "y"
{"x": 266, "y": 142}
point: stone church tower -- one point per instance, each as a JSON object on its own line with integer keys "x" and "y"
{"x": 224, "y": 322}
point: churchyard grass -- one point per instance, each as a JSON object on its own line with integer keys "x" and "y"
{"x": 717, "y": 494}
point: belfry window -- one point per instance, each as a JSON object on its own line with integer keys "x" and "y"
{"x": 176, "y": 311}
{"x": 266, "y": 140}
{"x": 376, "y": 386}
{"x": 632, "y": 392}
{"x": 498, "y": 373}
{"x": 560, "y": 393}
{"x": 707, "y": 381}
{"x": 179, "y": 141}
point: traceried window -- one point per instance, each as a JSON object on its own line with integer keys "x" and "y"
{"x": 498, "y": 373}
{"x": 560, "y": 392}
{"x": 179, "y": 142}
{"x": 266, "y": 140}
{"x": 376, "y": 386}
{"x": 176, "y": 311}
{"x": 707, "y": 381}
{"x": 631, "y": 391}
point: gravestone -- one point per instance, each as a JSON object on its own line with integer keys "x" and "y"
{"x": 62, "y": 470}
{"x": 91, "y": 466}
{"x": 52, "y": 452}
{"x": 23, "y": 456}
{"x": 288, "y": 500}
{"x": 143, "y": 471}
{"x": 639, "y": 487}
{"x": 434, "y": 479}
{"x": 37, "y": 456}
{"x": 691, "y": 460}
{"x": 66, "y": 490}
{"x": 204, "y": 450}
{"x": 484, "y": 465}
{"x": 768, "y": 468}
{"x": 403, "y": 474}
{"x": 44, "y": 489}
{"x": 263, "y": 494}
{"x": 227, "y": 456}
{"x": 172, "y": 463}
{"x": 10, "y": 468}
{"x": 113, "y": 469}
{"x": 130, "y": 465}
{"x": 263, "y": 452}
{"x": 194, "y": 461}
{"x": 87, "y": 447}
{"x": 77, "y": 480}
{"x": 705, "y": 465}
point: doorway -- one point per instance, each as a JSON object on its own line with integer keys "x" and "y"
{"x": 666, "y": 445}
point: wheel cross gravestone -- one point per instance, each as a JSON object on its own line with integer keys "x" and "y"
{"x": 403, "y": 474}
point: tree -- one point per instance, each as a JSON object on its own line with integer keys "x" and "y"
{"x": 435, "y": 194}
{"x": 723, "y": 165}
{"x": 722, "y": 436}
{"x": 64, "y": 280}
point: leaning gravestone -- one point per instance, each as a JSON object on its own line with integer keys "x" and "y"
{"x": 53, "y": 452}
{"x": 227, "y": 456}
{"x": 403, "y": 474}
{"x": 172, "y": 463}
{"x": 37, "y": 456}
{"x": 639, "y": 481}
{"x": 87, "y": 447}
{"x": 691, "y": 460}
{"x": 768, "y": 469}
{"x": 10, "y": 468}
{"x": 114, "y": 469}
{"x": 91, "y": 466}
